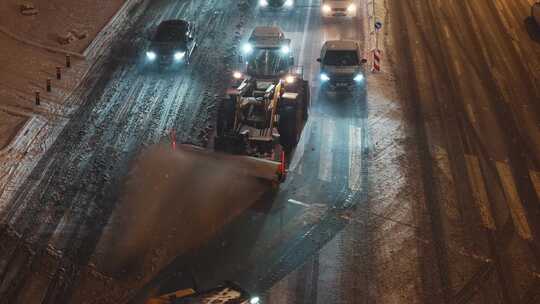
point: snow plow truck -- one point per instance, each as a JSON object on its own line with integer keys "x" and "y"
{"x": 266, "y": 107}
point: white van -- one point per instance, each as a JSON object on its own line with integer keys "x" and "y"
{"x": 341, "y": 64}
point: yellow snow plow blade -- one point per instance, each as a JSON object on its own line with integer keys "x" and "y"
{"x": 168, "y": 298}
{"x": 246, "y": 165}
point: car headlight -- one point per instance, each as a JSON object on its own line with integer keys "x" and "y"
{"x": 351, "y": 8}
{"x": 254, "y": 300}
{"x": 359, "y": 77}
{"x": 151, "y": 55}
{"x": 285, "y": 49}
{"x": 263, "y": 3}
{"x": 326, "y": 8}
{"x": 247, "y": 48}
{"x": 179, "y": 55}
{"x": 324, "y": 77}
{"x": 288, "y": 3}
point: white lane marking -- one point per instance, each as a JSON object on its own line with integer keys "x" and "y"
{"x": 325, "y": 158}
{"x": 459, "y": 68}
{"x": 355, "y": 158}
{"x": 447, "y": 31}
{"x": 304, "y": 38}
{"x": 293, "y": 201}
{"x": 470, "y": 112}
{"x": 535, "y": 178}
{"x": 479, "y": 191}
{"x": 298, "y": 156}
{"x": 514, "y": 202}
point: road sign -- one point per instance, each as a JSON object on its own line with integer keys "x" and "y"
{"x": 378, "y": 25}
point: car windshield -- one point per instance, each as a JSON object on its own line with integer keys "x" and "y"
{"x": 171, "y": 34}
{"x": 341, "y": 58}
{"x": 268, "y": 62}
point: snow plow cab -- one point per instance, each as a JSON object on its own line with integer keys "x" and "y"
{"x": 265, "y": 109}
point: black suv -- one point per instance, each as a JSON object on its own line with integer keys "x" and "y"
{"x": 172, "y": 44}
{"x": 276, "y": 3}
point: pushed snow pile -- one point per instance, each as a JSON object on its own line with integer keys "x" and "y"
{"x": 28, "y": 9}
{"x": 174, "y": 202}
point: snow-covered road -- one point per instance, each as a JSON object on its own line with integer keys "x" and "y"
{"x": 70, "y": 195}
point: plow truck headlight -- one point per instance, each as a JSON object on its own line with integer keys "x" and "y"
{"x": 263, "y": 3}
{"x": 351, "y": 8}
{"x": 151, "y": 55}
{"x": 237, "y": 75}
{"x": 326, "y": 9}
{"x": 290, "y": 79}
{"x": 324, "y": 77}
{"x": 359, "y": 78}
{"x": 289, "y": 3}
{"x": 254, "y": 300}
{"x": 285, "y": 49}
{"x": 179, "y": 56}
{"x": 247, "y": 48}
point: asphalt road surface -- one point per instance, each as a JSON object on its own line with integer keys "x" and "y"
{"x": 473, "y": 71}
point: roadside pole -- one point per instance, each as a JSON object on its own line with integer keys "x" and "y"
{"x": 376, "y": 53}
{"x": 375, "y": 22}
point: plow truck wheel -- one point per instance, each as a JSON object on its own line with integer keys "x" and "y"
{"x": 226, "y": 113}
{"x": 288, "y": 127}
{"x": 306, "y": 100}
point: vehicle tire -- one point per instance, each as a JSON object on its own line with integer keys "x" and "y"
{"x": 288, "y": 127}
{"x": 306, "y": 100}
{"x": 226, "y": 113}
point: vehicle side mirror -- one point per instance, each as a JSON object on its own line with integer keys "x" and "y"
{"x": 364, "y": 60}
{"x": 318, "y": 59}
